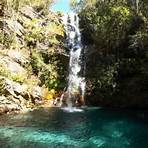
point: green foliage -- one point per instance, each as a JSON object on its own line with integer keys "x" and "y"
{"x": 20, "y": 78}
{"x": 47, "y": 73}
{"x": 118, "y": 33}
{"x": 37, "y": 62}
{"x": 43, "y": 61}
{"x": 140, "y": 39}
{"x": 43, "y": 33}
{"x": 6, "y": 39}
{"x": 5, "y": 72}
{"x": 110, "y": 21}
{"x": 73, "y": 4}
{"x": 16, "y": 4}
{"x": 2, "y": 85}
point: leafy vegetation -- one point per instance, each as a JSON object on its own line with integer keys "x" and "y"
{"x": 115, "y": 32}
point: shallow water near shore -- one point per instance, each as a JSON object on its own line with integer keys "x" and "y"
{"x": 90, "y": 128}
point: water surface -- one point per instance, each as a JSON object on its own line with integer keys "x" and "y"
{"x": 90, "y": 128}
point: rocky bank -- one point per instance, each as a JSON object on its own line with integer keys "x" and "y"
{"x": 32, "y": 58}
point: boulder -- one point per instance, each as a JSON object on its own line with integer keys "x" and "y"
{"x": 9, "y": 104}
{"x": 12, "y": 65}
{"x": 15, "y": 88}
{"x": 15, "y": 67}
{"x": 29, "y": 12}
{"x": 37, "y": 93}
{"x": 15, "y": 26}
{"x": 19, "y": 56}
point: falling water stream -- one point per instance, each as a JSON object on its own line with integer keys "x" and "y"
{"x": 76, "y": 80}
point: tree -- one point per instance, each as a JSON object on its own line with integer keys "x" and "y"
{"x": 74, "y": 5}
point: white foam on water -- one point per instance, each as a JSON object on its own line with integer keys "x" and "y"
{"x": 72, "y": 109}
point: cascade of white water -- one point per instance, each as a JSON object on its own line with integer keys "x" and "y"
{"x": 76, "y": 83}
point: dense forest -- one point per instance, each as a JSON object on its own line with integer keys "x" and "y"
{"x": 115, "y": 33}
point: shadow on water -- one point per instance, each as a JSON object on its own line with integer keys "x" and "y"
{"x": 93, "y": 127}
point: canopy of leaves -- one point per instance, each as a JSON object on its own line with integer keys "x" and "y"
{"x": 116, "y": 35}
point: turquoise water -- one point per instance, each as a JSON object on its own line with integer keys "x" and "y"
{"x": 89, "y": 128}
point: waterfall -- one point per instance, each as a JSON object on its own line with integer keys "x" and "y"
{"x": 76, "y": 80}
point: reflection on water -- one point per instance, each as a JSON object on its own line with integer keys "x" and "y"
{"x": 90, "y": 128}
{"x": 72, "y": 109}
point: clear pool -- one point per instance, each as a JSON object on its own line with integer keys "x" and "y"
{"x": 88, "y": 128}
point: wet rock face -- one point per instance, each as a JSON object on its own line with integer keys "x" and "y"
{"x": 15, "y": 94}
{"x": 14, "y": 61}
{"x": 19, "y": 56}
{"x": 29, "y": 12}
{"x": 9, "y": 104}
{"x": 17, "y": 97}
{"x": 22, "y": 54}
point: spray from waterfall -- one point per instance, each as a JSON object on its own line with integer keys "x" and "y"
{"x": 76, "y": 80}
